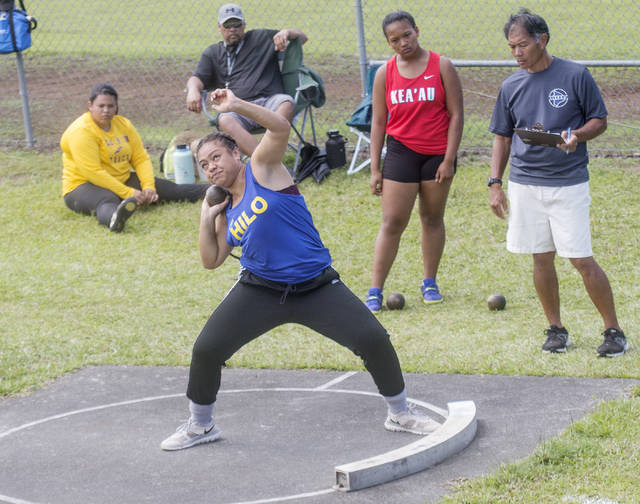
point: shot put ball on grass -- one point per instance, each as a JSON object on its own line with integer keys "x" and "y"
{"x": 215, "y": 194}
{"x": 395, "y": 301}
{"x": 496, "y": 301}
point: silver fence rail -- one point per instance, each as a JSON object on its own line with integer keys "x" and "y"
{"x": 148, "y": 49}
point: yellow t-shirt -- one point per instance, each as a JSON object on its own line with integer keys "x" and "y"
{"x": 104, "y": 158}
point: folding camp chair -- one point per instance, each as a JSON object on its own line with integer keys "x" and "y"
{"x": 305, "y": 87}
{"x": 360, "y": 122}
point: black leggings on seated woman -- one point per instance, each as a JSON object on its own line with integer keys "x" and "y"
{"x": 89, "y": 198}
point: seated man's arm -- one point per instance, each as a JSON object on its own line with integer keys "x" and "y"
{"x": 194, "y": 91}
{"x": 280, "y": 39}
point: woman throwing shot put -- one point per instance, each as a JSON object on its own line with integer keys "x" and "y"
{"x": 417, "y": 103}
{"x": 99, "y": 150}
{"x": 285, "y": 277}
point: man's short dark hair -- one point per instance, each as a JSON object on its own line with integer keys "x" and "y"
{"x": 532, "y": 23}
{"x": 394, "y": 16}
{"x": 217, "y": 136}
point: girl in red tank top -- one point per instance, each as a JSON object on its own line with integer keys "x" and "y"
{"x": 418, "y": 115}
{"x": 417, "y": 105}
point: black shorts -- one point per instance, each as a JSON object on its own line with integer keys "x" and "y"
{"x": 403, "y": 164}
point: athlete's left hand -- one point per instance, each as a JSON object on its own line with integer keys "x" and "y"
{"x": 375, "y": 182}
{"x": 445, "y": 171}
{"x": 222, "y": 100}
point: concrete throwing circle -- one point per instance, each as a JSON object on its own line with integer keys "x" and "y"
{"x": 116, "y": 457}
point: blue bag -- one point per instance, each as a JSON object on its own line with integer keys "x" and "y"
{"x": 15, "y": 30}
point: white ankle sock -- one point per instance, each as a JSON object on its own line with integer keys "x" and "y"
{"x": 397, "y": 403}
{"x": 201, "y": 413}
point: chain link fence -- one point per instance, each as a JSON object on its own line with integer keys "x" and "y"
{"x": 149, "y": 48}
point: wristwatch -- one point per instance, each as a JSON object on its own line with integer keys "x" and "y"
{"x": 493, "y": 180}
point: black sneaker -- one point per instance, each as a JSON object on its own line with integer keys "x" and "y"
{"x": 557, "y": 340}
{"x": 614, "y": 344}
{"x": 124, "y": 210}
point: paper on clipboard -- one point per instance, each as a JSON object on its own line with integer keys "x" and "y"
{"x": 537, "y": 137}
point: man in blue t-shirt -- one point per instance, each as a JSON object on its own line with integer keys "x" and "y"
{"x": 549, "y": 186}
{"x": 247, "y": 63}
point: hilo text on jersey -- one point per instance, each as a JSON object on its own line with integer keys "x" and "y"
{"x": 411, "y": 95}
{"x": 240, "y": 224}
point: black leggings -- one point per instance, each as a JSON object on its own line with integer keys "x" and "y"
{"x": 249, "y": 311}
{"x": 88, "y": 198}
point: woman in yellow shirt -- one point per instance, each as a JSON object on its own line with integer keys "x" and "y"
{"x": 99, "y": 150}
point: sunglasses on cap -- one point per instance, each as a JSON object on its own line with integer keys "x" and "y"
{"x": 232, "y": 24}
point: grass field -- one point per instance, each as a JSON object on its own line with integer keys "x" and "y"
{"x": 72, "y": 294}
{"x": 462, "y": 29}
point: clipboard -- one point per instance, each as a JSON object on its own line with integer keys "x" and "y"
{"x": 537, "y": 137}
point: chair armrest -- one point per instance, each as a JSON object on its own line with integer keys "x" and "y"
{"x": 213, "y": 119}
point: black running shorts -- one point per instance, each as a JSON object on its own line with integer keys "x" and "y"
{"x": 405, "y": 165}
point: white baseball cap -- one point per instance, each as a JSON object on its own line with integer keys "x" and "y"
{"x": 229, "y": 11}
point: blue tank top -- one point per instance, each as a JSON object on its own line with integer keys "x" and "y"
{"x": 276, "y": 232}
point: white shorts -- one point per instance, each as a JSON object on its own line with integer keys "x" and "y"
{"x": 546, "y": 219}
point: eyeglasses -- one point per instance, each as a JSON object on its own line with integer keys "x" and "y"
{"x": 227, "y": 25}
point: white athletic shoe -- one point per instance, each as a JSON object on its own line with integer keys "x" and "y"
{"x": 190, "y": 434}
{"x": 412, "y": 421}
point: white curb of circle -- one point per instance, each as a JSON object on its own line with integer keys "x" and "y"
{"x": 451, "y": 437}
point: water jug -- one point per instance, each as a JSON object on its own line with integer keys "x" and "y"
{"x": 336, "y": 156}
{"x": 183, "y": 165}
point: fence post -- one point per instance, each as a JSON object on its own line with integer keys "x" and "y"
{"x": 362, "y": 46}
{"x": 26, "y": 114}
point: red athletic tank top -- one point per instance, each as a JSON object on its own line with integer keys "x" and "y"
{"x": 418, "y": 115}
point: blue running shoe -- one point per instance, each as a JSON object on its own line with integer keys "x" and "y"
{"x": 374, "y": 300}
{"x": 430, "y": 292}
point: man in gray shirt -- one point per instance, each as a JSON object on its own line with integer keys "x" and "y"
{"x": 246, "y": 63}
{"x": 549, "y": 196}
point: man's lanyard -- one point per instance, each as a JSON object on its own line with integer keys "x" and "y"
{"x": 231, "y": 59}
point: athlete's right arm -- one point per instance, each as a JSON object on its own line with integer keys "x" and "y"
{"x": 378, "y": 126}
{"x": 212, "y": 242}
